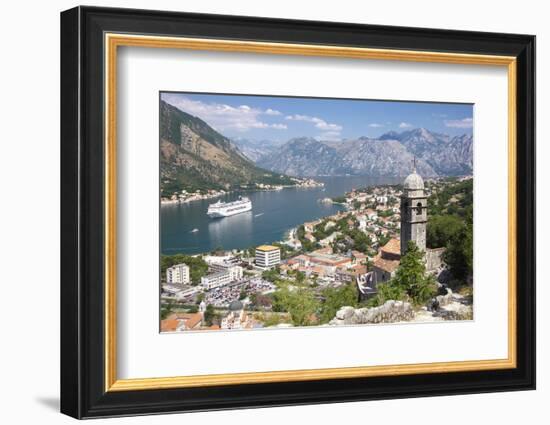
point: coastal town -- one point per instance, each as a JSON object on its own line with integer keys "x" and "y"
{"x": 183, "y": 196}
{"x": 335, "y": 270}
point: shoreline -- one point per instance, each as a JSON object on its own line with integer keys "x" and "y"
{"x": 166, "y": 202}
{"x": 289, "y": 234}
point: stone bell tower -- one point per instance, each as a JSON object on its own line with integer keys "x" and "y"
{"x": 414, "y": 214}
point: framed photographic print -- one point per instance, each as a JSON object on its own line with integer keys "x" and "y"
{"x": 261, "y": 212}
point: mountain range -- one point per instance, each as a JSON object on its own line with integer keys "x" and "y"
{"x": 255, "y": 149}
{"x": 195, "y": 156}
{"x": 391, "y": 154}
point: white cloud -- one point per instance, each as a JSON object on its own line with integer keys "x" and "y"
{"x": 318, "y": 122}
{"x": 463, "y": 123}
{"x": 221, "y": 116}
{"x": 270, "y": 111}
{"x": 375, "y": 125}
{"x": 329, "y": 136}
{"x": 405, "y": 125}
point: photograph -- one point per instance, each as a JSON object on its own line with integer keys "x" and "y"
{"x": 268, "y": 211}
{"x": 279, "y": 212}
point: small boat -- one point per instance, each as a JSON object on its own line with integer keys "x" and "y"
{"x": 257, "y": 215}
{"x": 194, "y": 230}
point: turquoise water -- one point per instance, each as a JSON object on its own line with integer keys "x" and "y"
{"x": 273, "y": 214}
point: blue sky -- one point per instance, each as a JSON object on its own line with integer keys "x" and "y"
{"x": 282, "y": 118}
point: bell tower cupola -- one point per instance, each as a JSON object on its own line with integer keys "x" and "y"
{"x": 414, "y": 215}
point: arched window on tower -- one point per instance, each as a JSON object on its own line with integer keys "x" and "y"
{"x": 419, "y": 208}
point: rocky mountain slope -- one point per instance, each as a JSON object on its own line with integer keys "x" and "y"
{"x": 195, "y": 156}
{"x": 255, "y": 149}
{"x": 390, "y": 155}
{"x": 446, "y": 155}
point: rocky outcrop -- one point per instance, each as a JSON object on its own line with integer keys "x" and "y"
{"x": 195, "y": 156}
{"x": 389, "y": 312}
{"x": 445, "y": 306}
{"x": 451, "y": 306}
{"x": 461, "y": 313}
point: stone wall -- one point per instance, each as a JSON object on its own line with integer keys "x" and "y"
{"x": 389, "y": 312}
{"x": 434, "y": 258}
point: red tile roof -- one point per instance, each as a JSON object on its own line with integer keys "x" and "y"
{"x": 191, "y": 320}
{"x": 393, "y": 248}
{"x": 387, "y": 265}
{"x": 169, "y": 325}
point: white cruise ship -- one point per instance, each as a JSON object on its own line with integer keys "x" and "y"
{"x": 226, "y": 209}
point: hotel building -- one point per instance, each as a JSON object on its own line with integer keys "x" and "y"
{"x": 221, "y": 278}
{"x": 178, "y": 274}
{"x": 267, "y": 256}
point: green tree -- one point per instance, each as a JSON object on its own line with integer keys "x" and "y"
{"x": 286, "y": 251}
{"x": 336, "y": 298}
{"x": 218, "y": 250}
{"x": 166, "y": 310}
{"x": 361, "y": 242}
{"x": 271, "y": 275}
{"x": 300, "y": 303}
{"x": 385, "y": 213}
{"x": 451, "y": 224}
{"x": 411, "y": 276}
{"x": 197, "y": 266}
{"x": 459, "y": 253}
{"x": 307, "y": 246}
{"x": 385, "y": 292}
{"x": 410, "y": 281}
{"x": 272, "y": 320}
{"x": 209, "y": 315}
{"x": 441, "y": 228}
{"x": 300, "y": 277}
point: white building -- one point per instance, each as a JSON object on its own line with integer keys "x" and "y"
{"x": 382, "y": 199}
{"x": 219, "y": 259}
{"x": 180, "y": 292}
{"x": 178, "y": 274}
{"x": 267, "y": 256}
{"x": 362, "y": 220}
{"x": 236, "y": 318}
{"x": 220, "y": 267}
{"x": 221, "y": 278}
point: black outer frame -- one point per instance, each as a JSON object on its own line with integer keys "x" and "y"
{"x": 82, "y": 212}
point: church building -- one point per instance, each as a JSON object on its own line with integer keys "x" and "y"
{"x": 414, "y": 219}
{"x": 414, "y": 212}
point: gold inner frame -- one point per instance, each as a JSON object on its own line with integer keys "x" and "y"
{"x": 113, "y": 41}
